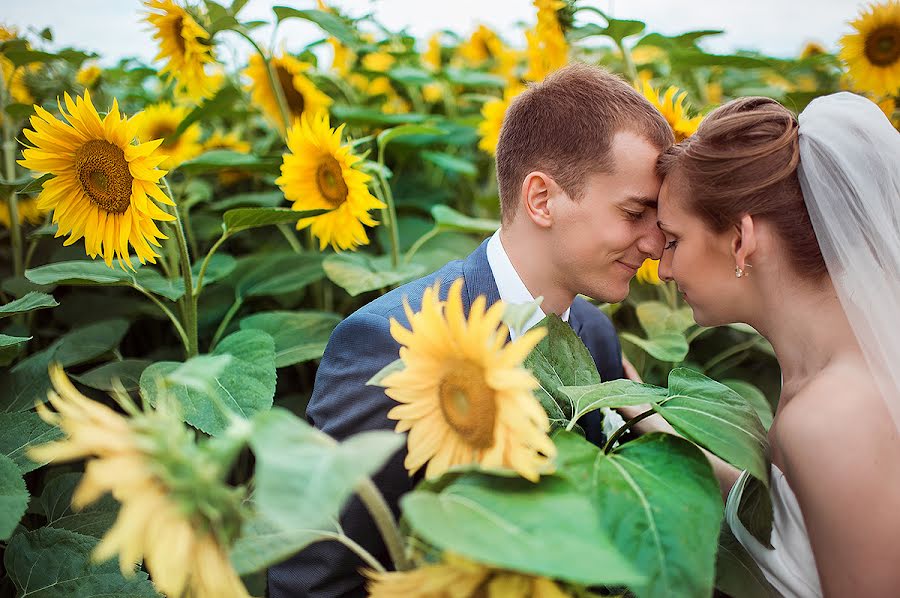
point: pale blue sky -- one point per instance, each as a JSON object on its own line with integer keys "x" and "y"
{"x": 114, "y": 28}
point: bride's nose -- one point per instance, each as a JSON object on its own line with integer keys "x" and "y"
{"x": 665, "y": 267}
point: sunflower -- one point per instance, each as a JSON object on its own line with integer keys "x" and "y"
{"x": 889, "y": 107}
{"x": 672, "y": 108}
{"x": 480, "y": 47}
{"x": 378, "y": 62}
{"x": 458, "y": 577}
{"x": 179, "y": 522}
{"x": 812, "y": 49}
{"x": 13, "y": 75}
{"x": 87, "y": 76}
{"x": 344, "y": 57}
{"x": 431, "y": 57}
{"x": 465, "y": 397}
{"x": 319, "y": 173}
{"x": 160, "y": 122}
{"x": 648, "y": 273}
{"x": 432, "y": 92}
{"x": 301, "y": 95}
{"x": 872, "y": 53}
{"x": 104, "y": 187}
{"x": 27, "y": 209}
{"x": 493, "y": 113}
{"x": 547, "y": 47}
{"x": 184, "y": 44}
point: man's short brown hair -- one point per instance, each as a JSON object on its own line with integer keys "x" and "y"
{"x": 564, "y": 126}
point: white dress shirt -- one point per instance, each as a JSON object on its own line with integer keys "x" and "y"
{"x": 512, "y": 290}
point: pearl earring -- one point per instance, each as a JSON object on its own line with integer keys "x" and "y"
{"x": 738, "y": 271}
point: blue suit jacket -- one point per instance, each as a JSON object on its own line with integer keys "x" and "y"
{"x": 342, "y": 405}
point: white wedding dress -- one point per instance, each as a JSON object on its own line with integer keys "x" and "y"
{"x": 790, "y": 567}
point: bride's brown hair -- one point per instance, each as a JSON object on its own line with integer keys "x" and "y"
{"x": 743, "y": 160}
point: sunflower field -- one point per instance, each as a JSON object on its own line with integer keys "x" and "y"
{"x": 179, "y": 239}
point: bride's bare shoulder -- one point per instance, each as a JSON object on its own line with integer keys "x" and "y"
{"x": 839, "y": 407}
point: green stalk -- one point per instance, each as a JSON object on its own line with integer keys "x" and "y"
{"x": 225, "y": 322}
{"x": 384, "y": 520}
{"x": 630, "y": 69}
{"x": 9, "y": 148}
{"x": 419, "y": 242}
{"x": 291, "y": 238}
{"x": 178, "y": 327}
{"x": 390, "y": 213}
{"x": 625, "y": 427}
{"x": 189, "y": 311}
{"x": 273, "y": 82}
{"x": 733, "y": 350}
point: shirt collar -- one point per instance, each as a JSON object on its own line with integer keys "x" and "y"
{"x": 512, "y": 290}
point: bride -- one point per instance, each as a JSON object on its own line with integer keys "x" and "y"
{"x": 793, "y": 227}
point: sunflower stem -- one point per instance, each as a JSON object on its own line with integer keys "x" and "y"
{"x": 624, "y": 428}
{"x": 630, "y": 69}
{"x": 174, "y": 319}
{"x": 9, "y": 148}
{"x": 291, "y": 238}
{"x": 273, "y": 82}
{"x": 225, "y": 322}
{"x": 419, "y": 242}
{"x": 390, "y": 213}
{"x": 189, "y": 310}
{"x": 205, "y": 264}
{"x": 384, "y": 520}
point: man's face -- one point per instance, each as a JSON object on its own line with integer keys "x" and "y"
{"x": 601, "y": 239}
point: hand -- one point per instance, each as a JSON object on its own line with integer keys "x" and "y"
{"x": 630, "y": 371}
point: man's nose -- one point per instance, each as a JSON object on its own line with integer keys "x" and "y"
{"x": 652, "y": 241}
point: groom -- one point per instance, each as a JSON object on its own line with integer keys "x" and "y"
{"x": 576, "y": 164}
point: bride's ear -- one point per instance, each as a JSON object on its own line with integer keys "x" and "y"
{"x": 743, "y": 245}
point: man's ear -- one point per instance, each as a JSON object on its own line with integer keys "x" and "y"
{"x": 744, "y": 243}
{"x": 537, "y": 190}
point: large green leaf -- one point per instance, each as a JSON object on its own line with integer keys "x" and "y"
{"x": 449, "y": 219}
{"x": 389, "y": 135}
{"x": 659, "y": 502}
{"x": 718, "y": 419}
{"x": 215, "y": 160}
{"x": 276, "y": 273}
{"x": 221, "y": 103}
{"x": 85, "y": 272}
{"x": 658, "y": 318}
{"x": 19, "y": 432}
{"x": 240, "y": 219}
{"x": 303, "y": 477}
{"x": 258, "y": 199}
{"x": 559, "y": 360}
{"x": 93, "y": 520}
{"x": 262, "y": 543}
{"x": 451, "y": 163}
{"x": 29, "y": 302}
{"x": 49, "y": 562}
{"x": 737, "y": 574}
{"x": 358, "y": 115}
{"x": 127, "y": 372}
{"x": 612, "y": 394}
{"x": 13, "y": 497}
{"x": 357, "y": 273}
{"x": 549, "y": 528}
{"x": 87, "y": 343}
{"x": 220, "y": 265}
{"x": 245, "y": 386}
{"x": 755, "y": 398}
{"x": 666, "y": 346}
{"x": 299, "y": 336}
{"x": 26, "y": 382}
{"x": 328, "y": 21}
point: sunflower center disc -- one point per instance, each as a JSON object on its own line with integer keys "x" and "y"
{"x": 103, "y": 172}
{"x": 177, "y": 25}
{"x": 330, "y": 181}
{"x": 469, "y": 405}
{"x": 294, "y": 98}
{"x": 162, "y": 131}
{"x": 883, "y": 45}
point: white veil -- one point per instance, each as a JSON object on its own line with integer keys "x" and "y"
{"x": 850, "y": 175}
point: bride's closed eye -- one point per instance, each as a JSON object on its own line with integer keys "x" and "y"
{"x": 670, "y": 244}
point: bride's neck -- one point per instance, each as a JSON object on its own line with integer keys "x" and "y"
{"x": 807, "y": 328}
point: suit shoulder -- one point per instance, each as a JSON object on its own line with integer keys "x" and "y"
{"x": 592, "y": 317}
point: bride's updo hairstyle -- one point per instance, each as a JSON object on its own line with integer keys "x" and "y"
{"x": 743, "y": 160}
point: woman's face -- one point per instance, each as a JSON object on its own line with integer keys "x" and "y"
{"x": 700, "y": 261}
